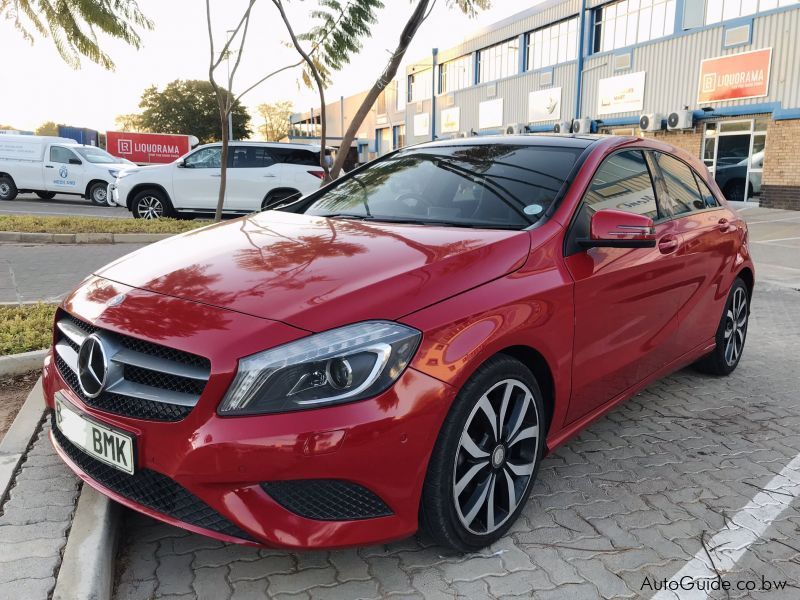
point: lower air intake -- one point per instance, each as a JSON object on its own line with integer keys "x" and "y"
{"x": 327, "y": 499}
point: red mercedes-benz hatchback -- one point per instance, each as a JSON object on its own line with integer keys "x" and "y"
{"x": 402, "y": 347}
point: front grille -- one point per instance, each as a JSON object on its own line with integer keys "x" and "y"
{"x": 151, "y": 381}
{"x": 151, "y": 489}
{"x": 327, "y": 499}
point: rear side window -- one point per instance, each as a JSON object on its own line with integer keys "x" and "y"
{"x": 294, "y": 156}
{"x": 250, "y": 157}
{"x": 681, "y": 185}
{"x": 622, "y": 182}
{"x": 709, "y": 199}
{"x": 60, "y": 155}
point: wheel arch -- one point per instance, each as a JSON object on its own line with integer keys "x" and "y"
{"x": 746, "y": 274}
{"x": 537, "y": 364}
{"x": 90, "y": 184}
{"x": 140, "y": 187}
{"x": 4, "y": 174}
{"x": 279, "y": 190}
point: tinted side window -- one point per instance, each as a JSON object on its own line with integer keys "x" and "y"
{"x": 622, "y": 182}
{"x": 709, "y": 199}
{"x": 60, "y": 155}
{"x": 205, "y": 158}
{"x": 294, "y": 156}
{"x": 681, "y": 185}
{"x": 250, "y": 157}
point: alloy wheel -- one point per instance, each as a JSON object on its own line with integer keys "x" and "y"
{"x": 735, "y": 326}
{"x": 150, "y": 207}
{"x": 496, "y": 456}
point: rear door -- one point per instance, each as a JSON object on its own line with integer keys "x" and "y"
{"x": 625, "y": 299}
{"x": 303, "y": 168}
{"x": 252, "y": 174}
{"x": 64, "y": 171}
{"x": 707, "y": 250}
{"x": 196, "y": 184}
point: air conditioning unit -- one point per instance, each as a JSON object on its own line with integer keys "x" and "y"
{"x": 562, "y": 127}
{"x": 680, "y": 119}
{"x": 583, "y": 125}
{"x": 651, "y": 122}
{"x": 516, "y": 128}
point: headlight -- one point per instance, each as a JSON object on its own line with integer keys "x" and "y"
{"x": 125, "y": 173}
{"x": 114, "y": 173}
{"x": 342, "y": 365}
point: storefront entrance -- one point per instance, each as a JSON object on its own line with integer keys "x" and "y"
{"x": 734, "y": 153}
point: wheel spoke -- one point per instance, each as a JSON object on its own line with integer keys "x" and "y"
{"x": 512, "y": 491}
{"x": 475, "y": 503}
{"x": 490, "y": 524}
{"x": 520, "y": 470}
{"x": 525, "y": 434}
{"x": 504, "y": 407}
{"x": 729, "y": 351}
{"x": 468, "y": 444}
{"x": 728, "y": 333}
{"x": 490, "y": 413}
{"x": 468, "y": 476}
{"x": 519, "y": 415}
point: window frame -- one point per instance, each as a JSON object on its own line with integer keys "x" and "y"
{"x": 265, "y": 150}
{"x": 198, "y": 151}
{"x": 68, "y": 151}
{"x": 469, "y": 74}
{"x": 665, "y": 189}
{"x": 478, "y": 61}
{"x": 571, "y": 245}
{"x": 600, "y": 26}
{"x": 530, "y": 46}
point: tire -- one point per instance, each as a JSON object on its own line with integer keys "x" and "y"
{"x": 275, "y": 197}
{"x": 8, "y": 189}
{"x": 98, "y": 193}
{"x": 151, "y": 204}
{"x": 469, "y": 469}
{"x": 731, "y": 333}
{"x": 46, "y": 195}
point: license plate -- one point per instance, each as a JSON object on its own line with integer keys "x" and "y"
{"x": 104, "y": 443}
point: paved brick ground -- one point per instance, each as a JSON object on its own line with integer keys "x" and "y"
{"x": 631, "y": 498}
{"x": 35, "y": 521}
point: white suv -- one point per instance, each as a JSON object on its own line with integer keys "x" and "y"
{"x": 259, "y": 174}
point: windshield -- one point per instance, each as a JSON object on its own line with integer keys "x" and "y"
{"x": 495, "y": 186}
{"x": 97, "y": 156}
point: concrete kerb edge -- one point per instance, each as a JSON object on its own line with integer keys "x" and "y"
{"x": 18, "y": 438}
{"x": 82, "y": 238}
{"x": 17, "y": 364}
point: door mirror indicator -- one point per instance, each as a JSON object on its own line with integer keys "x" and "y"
{"x": 611, "y": 228}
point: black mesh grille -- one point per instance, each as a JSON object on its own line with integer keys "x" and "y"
{"x": 151, "y": 489}
{"x": 136, "y": 407}
{"x": 123, "y": 405}
{"x": 327, "y": 499}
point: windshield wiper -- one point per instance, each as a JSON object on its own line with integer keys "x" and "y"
{"x": 401, "y": 221}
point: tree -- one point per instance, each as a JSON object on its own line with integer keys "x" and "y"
{"x": 421, "y": 12}
{"x": 74, "y": 26}
{"x": 275, "y": 119}
{"x": 129, "y": 122}
{"x": 334, "y": 41}
{"x": 189, "y": 107}
{"x": 47, "y": 128}
{"x": 7, "y": 127}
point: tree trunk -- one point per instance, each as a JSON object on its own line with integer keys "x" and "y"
{"x": 409, "y": 31}
{"x": 223, "y": 170}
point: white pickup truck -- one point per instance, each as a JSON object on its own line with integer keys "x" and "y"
{"x": 51, "y": 165}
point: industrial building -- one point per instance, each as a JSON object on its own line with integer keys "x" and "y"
{"x": 720, "y": 78}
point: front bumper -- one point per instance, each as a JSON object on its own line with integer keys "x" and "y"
{"x": 222, "y": 471}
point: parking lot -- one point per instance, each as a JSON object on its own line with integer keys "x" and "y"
{"x": 696, "y": 477}
{"x": 60, "y": 206}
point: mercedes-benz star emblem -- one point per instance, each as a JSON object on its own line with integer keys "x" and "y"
{"x": 116, "y": 300}
{"x": 92, "y": 366}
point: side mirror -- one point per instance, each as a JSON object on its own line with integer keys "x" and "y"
{"x": 182, "y": 164}
{"x": 611, "y": 228}
{"x": 75, "y": 161}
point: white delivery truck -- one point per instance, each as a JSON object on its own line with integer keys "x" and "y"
{"x": 52, "y": 165}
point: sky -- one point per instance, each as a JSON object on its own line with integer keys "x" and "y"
{"x": 39, "y": 86}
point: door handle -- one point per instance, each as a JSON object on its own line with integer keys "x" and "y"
{"x": 216, "y": 175}
{"x": 724, "y": 225}
{"x": 269, "y": 175}
{"x": 49, "y": 167}
{"x": 667, "y": 244}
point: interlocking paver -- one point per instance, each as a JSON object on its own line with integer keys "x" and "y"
{"x": 627, "y": 499}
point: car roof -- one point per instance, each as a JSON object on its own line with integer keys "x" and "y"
{"x": 297, "y": 146}
{"x": 569, "y": 140}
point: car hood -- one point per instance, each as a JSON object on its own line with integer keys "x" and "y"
{"x": 317, "y": 273}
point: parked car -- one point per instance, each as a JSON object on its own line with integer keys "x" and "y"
{"x": 52, "y": 165}
{"x": 259, "y": 174}
{"x": 400, "y": 348}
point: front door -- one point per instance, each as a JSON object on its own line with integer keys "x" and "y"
{"x": 64, "y": 171}
{"x": 625, "y": 301}
{"x": 196, "y": 184}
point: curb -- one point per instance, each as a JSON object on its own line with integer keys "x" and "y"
{"x": 83, "y": 238}
{"x": 17, "y": 364}
{"x": 87, "y": 569}
{"x": 18, "y": 437}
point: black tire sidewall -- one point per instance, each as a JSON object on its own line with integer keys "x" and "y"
{"x": 46, "y": 195}
{"x": 167, "y": 211}
{"x": 719, "y": 351}
{"x": 92, "y": 188}
{"x": 12, "y": 188}
{"x": 438, "y": 512}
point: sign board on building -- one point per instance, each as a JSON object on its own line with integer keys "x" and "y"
{"x": 451, "y": 119}
{"x": 490, "y": 114}
{"x": 422, "y": 124}
{"x": 735, "y": 76}
{"x": 544, "y": 105}
{"x": 151, "y": 148}
{"x": 624, "y": 93}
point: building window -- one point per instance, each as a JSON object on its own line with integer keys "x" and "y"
{"x": 722, "y": 10}
{"x": 552, "y": 45}
{"x": 629, "y": 22}
{"x": 419, "y": 86}
{"x": 455, "y": 74}
{"x": 498, "y": 61}
{"x": 399, "y": 136}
